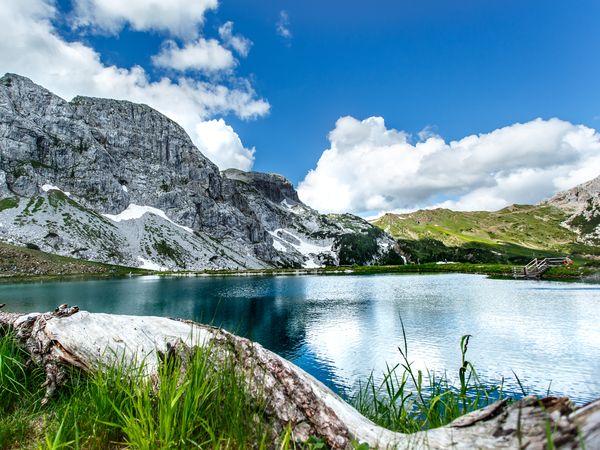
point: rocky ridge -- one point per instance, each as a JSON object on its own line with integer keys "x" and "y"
{"x": 582, "y": 204}
{"x": 118, "y": 182}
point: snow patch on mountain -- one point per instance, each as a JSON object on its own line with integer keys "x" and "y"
{"x": 150, "y": 265}
{"x": 49, "y": 187}
{"x": 311, "y": 264}
{"x": 277, "y": 246}
{"x": 302, "y": 246}
{"x": 294, "y": 208}
{"x": 134, "y": 211}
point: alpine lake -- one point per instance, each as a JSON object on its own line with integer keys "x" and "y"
{"x": 342, "y": 328}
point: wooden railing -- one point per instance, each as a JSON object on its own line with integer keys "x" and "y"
{"x": 537, "y": 267}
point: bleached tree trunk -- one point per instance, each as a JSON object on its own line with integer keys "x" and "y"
{"x": 89, "y": 341}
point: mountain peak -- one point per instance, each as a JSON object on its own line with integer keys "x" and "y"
{"x": 8, "y": 77}
{"x": 15, "y": 81}
{"x": 116, "y": 181}
{"x": 577, "y": 198}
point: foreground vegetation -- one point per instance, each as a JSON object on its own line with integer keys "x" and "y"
{"x": 204, "y": 405}
{"x": 408, "y": 401}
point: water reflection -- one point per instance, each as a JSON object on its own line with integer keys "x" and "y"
{"x": 339, "y": 328}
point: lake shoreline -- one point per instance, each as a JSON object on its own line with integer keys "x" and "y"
{"x": 498, "y": 271}
{"x": 23, "y": 265}
{"x": 297, "y": 316}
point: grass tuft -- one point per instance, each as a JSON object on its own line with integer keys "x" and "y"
{"x": 406, "y": 400}
{"x": 201, "y": 404}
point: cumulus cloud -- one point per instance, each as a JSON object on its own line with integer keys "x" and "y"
{"x": 179, "y": 17}
{"x": 30, "y": 46}
{"x": 222, "y": 145}
{"x": 239, "y": 43}
{"x": 201, "y": 55}
{"x": 283, "y": 25}
{"x": 369, "y": 167}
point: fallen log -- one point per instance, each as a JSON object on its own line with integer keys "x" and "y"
{"x": 69, "y": 337}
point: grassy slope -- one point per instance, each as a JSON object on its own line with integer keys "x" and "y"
{"x": 518, "y": 232}
{"x": 19, "y": 262}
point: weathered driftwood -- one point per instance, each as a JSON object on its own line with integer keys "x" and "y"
{"x": 91, "y": 341}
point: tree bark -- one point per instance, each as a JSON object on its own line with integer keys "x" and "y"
{"x": 92, "y": 342}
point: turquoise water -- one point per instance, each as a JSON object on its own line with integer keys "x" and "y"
{"x": 339, "y": 328}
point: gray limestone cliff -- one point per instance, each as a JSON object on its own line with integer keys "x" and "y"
{"x": 582, "y": 204}
{"x": 119, "y": 182}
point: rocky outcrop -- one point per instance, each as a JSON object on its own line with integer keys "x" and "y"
{"x": 118, "y": 182}
{"x": 576, "y": 199}
{"x": 582, "y": 204}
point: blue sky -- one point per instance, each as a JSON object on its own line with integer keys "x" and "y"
{"x": 452, "y": 68}
{"x": 462, "y": 70}
{"x": 460, "y": 67}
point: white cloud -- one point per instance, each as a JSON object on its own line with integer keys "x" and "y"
{"x": 239, "y": 43}
{"x": 30, "y": 46}
{"x": 222, "y": 145}
{"x": 283, "y": 25}
{"x": 369, "y": 167}
{"x": 200, "y": 55}
{"x": 181, "y": 18}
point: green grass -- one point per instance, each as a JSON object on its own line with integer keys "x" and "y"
{"x": 9, "y": 202}
{"x": 20, "y": 393}
{"x": 575, "y": 272}
{"x": 522, "y": 225}
{"x": 408, "y": 400}
{"x": 202, "y": 405}
{"x": 512, "y": 234}
{"x": 205, "y": 403}
{"x": 39, "y": 165}
{"x": 19, "y": 263}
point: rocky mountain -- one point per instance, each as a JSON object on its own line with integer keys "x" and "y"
{"x": 569, "y": 223}
{"x": 118, "y": 182}
{"x": 582, "y": 205}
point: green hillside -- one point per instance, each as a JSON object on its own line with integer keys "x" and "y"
{"x": 513, "y": 234}
{"x": 21, "y": 262}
